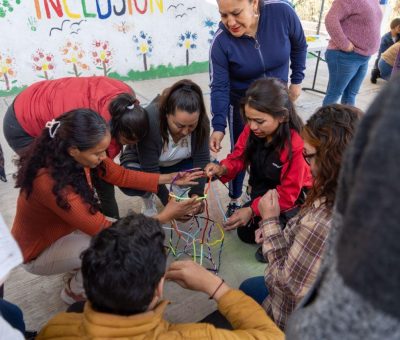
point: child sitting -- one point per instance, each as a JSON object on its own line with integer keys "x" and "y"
{"x": 123, "y": 273}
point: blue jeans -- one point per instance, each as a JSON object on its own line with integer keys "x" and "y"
{"x": 347, "y": 71}
{"x": 255, "y": 288}
{"x": 385, "y": 69}
{"x": 13, "y": 315}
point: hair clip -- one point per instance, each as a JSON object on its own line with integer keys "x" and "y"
{"x": 130, "y": 107}
{"x": 53, "y": 126}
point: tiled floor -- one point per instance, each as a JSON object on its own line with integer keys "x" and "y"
{"x": 39, "y": 296}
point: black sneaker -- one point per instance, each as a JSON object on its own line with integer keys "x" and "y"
{"x": 232, "y": 207}
{"x": 259, "y": 256}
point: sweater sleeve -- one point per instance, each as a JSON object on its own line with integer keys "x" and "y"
{"x": 119, "y": 176}
{"x": 298, "y": 52}
{"x": 237, "y": 307}
{"x": 339, "y": 10}
{"x": 219, "y": 83}
{"x": 294, "y": 176}
{"x": 78, "y": 215}
{"x": 235, "y": 161}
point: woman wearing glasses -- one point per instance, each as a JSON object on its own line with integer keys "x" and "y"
{"x": 271, "y": 147}
{"x": 295, "y": 254}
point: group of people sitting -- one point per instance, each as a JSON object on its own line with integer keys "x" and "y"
{"x": 63, "y": 225}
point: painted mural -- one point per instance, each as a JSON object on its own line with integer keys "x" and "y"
{"x": 124, "y": 39}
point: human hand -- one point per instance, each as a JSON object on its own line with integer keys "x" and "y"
{"x": 350, "y": 48}
{"x": 185, "y": 178}
{"x": 238, "y": 219}
{"x": 181, "y": 210}
{"x": 259, "y": 237}
{"x": 294, "y": 91}
{"x": 191, "y": 275}
{"x": 215, "y": 141}
{"x": 213, "y": 169}
{"x": 201, "y": 206}
{"x": 269, "y": 205}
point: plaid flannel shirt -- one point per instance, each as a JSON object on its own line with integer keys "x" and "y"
{"x": 294, "y": 255}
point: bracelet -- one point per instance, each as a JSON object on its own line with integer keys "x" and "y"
{"x": 215, "y": 291}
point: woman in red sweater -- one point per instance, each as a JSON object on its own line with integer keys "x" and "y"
{"x": 114, "y": 100}
{"x": 271, "y": 147}
{"x": 58, "y": 210}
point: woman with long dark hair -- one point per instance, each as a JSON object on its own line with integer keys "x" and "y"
{"x": 58, "y": 210}
{"x": 295, "y": 254}
{"x": 112, "y": 99}
{"x": 177, "y": 139}
{"x": 271, "y": 147}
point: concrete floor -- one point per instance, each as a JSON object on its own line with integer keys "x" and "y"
{"x": 39, "y": 296}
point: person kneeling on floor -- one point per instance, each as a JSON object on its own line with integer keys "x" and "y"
{"x": 124, "y": 270}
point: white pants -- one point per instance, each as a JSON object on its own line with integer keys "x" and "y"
{"x": 61, "y": 257}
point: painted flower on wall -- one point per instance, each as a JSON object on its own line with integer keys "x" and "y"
{"x": 7, "y": 70}
{"x": 210, "y": 25}
{"x": 187, "y": 40}
{"x": 72, "y": 55}
{"x": 144, "y": 46}
{"x": 102, "y": 56}
{"x": 43, "y": 63}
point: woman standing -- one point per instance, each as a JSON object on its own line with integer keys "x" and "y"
{"x": 177, "y": 140}
{"x": 112, "y": 99}
{"x": 255, "y": 39}
{"x": 354, "y": 29}
{"x": 271, "y": 147}
{"x": 57, "y": 208}
{"x": 295, "y": 254}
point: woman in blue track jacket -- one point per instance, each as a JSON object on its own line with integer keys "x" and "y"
{"x": 255, "y": 39}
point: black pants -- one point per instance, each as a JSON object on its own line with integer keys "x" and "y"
{"x": 106, "y": 193}
{"x": 247, "y": 232}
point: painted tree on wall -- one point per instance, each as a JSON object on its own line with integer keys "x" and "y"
{"x": 43, "y": 62}
{"x": 210, "y": 25}
{"x": 102, "y": 56}
{"x": 7, "y": 70}
{"x": 73, "y": 54}
{"x": 144, "y": 45}
{"x": 187, "y": 40}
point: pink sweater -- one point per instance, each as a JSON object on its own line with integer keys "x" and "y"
{"x": 355, "y": 21}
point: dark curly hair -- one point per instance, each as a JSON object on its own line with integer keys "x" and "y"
{"x": 187, "y": 96}
{"x": 80, "y": 128}
{"x": 124, "y": 265}
{"x": 329, "y": 130}
{"x": 269, "y": 95}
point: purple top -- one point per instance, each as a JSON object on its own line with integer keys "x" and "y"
{"x": 355, "y": 21}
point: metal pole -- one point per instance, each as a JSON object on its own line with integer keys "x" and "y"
{"x": 321, "y": 12}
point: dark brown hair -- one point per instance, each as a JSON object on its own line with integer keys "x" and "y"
{"x": 329, "y": 130}
{"x": 128, "y": 118}
{"x": 187, "y": 96}
{"x": 269, "y": 95}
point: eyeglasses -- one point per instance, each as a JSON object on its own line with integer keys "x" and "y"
{"x": 309, "y": 157}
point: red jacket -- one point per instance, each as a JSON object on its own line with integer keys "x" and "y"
{"x": 292, "y": 181}
{"x": 48, "y": 99}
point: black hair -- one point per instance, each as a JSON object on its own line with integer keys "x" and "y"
{"x": 271, "y": 96}
{"x": 80, "y": 128}
{"x": 128, "y": 118}
{"x": 187, "y": 96}
{"x": 124, "y": 264}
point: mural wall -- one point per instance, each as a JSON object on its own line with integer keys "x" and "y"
{"x": 124, "y": 39}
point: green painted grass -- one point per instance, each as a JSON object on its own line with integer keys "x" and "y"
{"x": 14, "y": 90}
{"x": 163, "y": 71}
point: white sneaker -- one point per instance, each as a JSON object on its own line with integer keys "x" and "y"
{"x": 149, "y": 207}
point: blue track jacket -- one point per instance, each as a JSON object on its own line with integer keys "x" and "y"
{"x": 236, "y": 62}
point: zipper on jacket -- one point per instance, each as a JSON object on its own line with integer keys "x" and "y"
{"x": 258, "y": 48}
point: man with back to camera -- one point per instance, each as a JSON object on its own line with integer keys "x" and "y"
{"x": 124, "y": 271}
